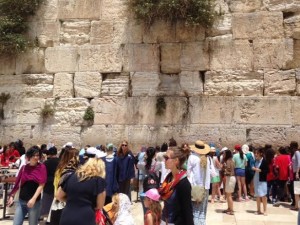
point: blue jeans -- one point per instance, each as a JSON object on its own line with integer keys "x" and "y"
{"x": 200, "y": 209}
{"x": 22, "y": 210}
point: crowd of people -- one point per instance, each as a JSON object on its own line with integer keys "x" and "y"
{"x": 175, "y": 182}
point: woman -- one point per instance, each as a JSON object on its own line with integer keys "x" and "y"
{"x": 240, "y": 161}
{"x": 260, "y": 180}
{"x": 295, "y": 154}
{"x": 199, "y": 170}
{"x": 271, "y": 184}
{"x": 228, "y": 168}
{"x": 30, "y": 181}
{"x": 84, "y": 192}
{"x": 67, "y": 165}
{"x": 215, "y": 180}
{"x": 249, "y": 173}
{"x": 125, "y": 168}
{"x": 176, "y": 190}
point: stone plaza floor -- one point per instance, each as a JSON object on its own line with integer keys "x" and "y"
{"x": 244, "y": 214}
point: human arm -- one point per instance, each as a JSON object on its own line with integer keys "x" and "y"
{"x": 149, "y": 219}
{"x": 297, "y": 155}
{"x": 101, "y": 200}
{"x": 61, "y": 195}
{"x": 38, "y": 191}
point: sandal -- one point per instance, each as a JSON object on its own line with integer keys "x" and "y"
{"x": 230, "y": 213}
{"x": 258, "y": 213}
{"x": 294, "y": 209}
{"x": 226, "y": 211}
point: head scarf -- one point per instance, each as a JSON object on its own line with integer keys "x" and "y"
{"x": 124, "y": 216}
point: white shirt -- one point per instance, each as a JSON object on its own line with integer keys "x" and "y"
{"x": 196, "y": 174}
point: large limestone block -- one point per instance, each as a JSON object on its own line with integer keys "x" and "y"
{"x": 79, "y": 9}
{"x": 292, "y": 134}
{"x": 295, "y": 63}
{"x": 7, "y": 65}
{"x": 169, "y": 85}
{"x": 298, "y": 81}
{"x": 194, "y": 56}
{"x": 61, "y": 134}
{"x": 259, "y": 136}
{"x": 191, "y": 83}
{"x": 189, "y": 33}
{"x": 63, "y": 85}
{"x": 75, "y": 32}
{"x": 87, "y": 84}
{"x": 128, "y": 31}
{"x": 102, "y": 32}
{"x": 24, "y": 111}
{"x": 245, "y": 5}
{"x": 144, "y": 84}
{"x": 211, "y": 110}
{"x": 70, "y": 111}
{"x": 263, "y": 111}
{"x": 282, "y": 5}
{"x": 115, "y": 84}
{"x": 233, "y": 83}
{"x": 295, "y": 111}
{"x": 61, "y": 59}
{"x": 159, "y": 32}
{"x": 292, "y": 26}
{"x": 141, "y": 58}
{"x": 280, "y": 82}
{"x": 100, "y": 58}
{"x": 46, "y": 32}
{"x": 222, "y": 26}
{"x": 32, "y": 61}
{"x": 47, "y": 10}
{"x": 114, "y": 10}
{"x": 272, "y": 53}
{"x": 170, "y": 58}
{"x": 226, "y": 53}
{"x": 257, "y": 25}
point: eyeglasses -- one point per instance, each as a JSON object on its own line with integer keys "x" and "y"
{"x": 167, "y": 157}
{"x": 124, "y": 145}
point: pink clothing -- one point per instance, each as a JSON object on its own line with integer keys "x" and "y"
{"x": 283, "y": 162}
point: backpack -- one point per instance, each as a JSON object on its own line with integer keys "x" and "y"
{"x": 151, "y": 180}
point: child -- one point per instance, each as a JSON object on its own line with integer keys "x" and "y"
{"x": 151, "y": 201}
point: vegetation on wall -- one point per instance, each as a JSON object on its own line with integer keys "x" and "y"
{"x": 3, "y": 99}
{"x": 89, "y": 114}
{"x": 192, "y": 12}
{"x": 47, "y": 111}
{"x": 14, "y": 15}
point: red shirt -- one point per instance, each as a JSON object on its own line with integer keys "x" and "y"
{"x": 12, "y": 156}
{"x": 283, "y": 162}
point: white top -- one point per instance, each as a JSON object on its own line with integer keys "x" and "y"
{"x": 196, "y": 174}
{"x": 21, "y": 162}
{"x": 296, "y": 161}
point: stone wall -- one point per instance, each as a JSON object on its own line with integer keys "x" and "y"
{"x": 237, "y": 82}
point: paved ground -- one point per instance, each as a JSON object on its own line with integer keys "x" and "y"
{"x": 244, "y": 215}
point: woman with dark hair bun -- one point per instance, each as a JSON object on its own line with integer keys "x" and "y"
{"x": 30, "y": 180}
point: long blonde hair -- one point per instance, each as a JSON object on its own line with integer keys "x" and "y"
{"x": 92, "y": 168}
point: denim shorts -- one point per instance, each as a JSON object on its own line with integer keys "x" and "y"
{"x": 239, "y": 172}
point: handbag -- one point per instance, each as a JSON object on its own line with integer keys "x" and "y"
{"x": 198, "y": 192}
{"x": 296, "y": 187}
{"x": 102, "y": 217}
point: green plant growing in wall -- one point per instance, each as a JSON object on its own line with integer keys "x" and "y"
{"x": 47, "y": 111}
{"x": 89, "y": 114}
{"x": 161, "y": 106}
{"x": 3, "y": 100}
{"x": 192, "y": 12}
{"x": 14, "y": 15}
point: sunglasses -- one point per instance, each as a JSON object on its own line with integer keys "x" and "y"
{"x": 167, "y": 157}
{"x": 124, "y": 145}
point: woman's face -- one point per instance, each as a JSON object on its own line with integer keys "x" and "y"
{"x": 124, "y": 147}
{"x": 147, "y": 202}
{"x": 34, "y": 159}
{"x": 170, "y": 161}
{"x": 257, "y": 155}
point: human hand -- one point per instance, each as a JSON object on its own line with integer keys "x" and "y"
{"x": 30, "y": 203}
{"x": 10, "y": 201}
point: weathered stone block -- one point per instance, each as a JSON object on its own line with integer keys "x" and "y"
{"x": 211, "y": 110}
{"x": 295, "y": 111}
{"x": 292, "y": 26}
{"x": 75, "y": 32}
{"x": 194, "y": 56}
{"x": 102, "y": 32}
{"x": 295, "y": 62}
{"x": 191, "y": 83}
{"x": 101, "y": 58}
{"x": 280, "y": 82}
{"x": 282, "y": 5}
{"x": 7, "y": 65}
{"x": 61, "y": 59}
{"x": 257, "y": 25}
{"x": 47, "y": 10}
{"x": 141, "y": 58}
{"x": 63, "y": 85}
{"x": 245, "y": 5}
{"x": 144, "y": 84}
{"x": 233, "y": 83}
{"x": 263, "y": 111}
{"x": 169, "y": 85}
{"x": 222, "y": 26}
{"x": 159, "y": 32}
{"x": 226, "y": 53}
{"x": 170, "y": 58}
{"x": 79, "y": 9}
{"x": 32, "y": 61}
{"x": 114, "y": 10}
{"x": 87, "y": 84}
{"x": 272, "y": 53}
{"x": 189, "y": 33}
{"x": 298, "y": 81}
{"x": 70, "y": 111}
{"x": 61, "y": 134}
{"x": 128, "y": 31}
{"x": 115, "y": 85}
{"x": 259, "y": 136}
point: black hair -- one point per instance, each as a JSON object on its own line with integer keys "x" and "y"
{"x": 172, "y": 142}
{"x": 270, "y": 153}
{"x": 283, "y": 150}
{"x": 32, "y": 151}
{"x": 227, "y": 155}
{"x": 150, "y": 153}
{"x": 52, "y": 151}
{"x": 164, "y": 147}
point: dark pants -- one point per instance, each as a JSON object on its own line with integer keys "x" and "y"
{"x": 279, "y": 189}
{"x": 271, "y": 186}
{"x": 124, "y": 187}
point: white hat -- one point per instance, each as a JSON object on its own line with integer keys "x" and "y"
{"x": 224, "y": 149}
{"x": 97, "y": 153}
{"x": 70, "y": 144}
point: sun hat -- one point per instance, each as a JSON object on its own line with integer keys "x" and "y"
{"x": 223, "y": 149}
{"x": 152, "y": 194}
{"x": 200, "y": 148}
{"x": 69, "y": 144}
